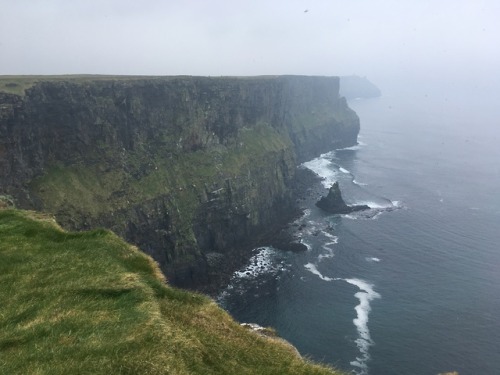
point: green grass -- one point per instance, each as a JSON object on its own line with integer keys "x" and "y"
{"x": 88, "y": 191}
{"x": 89, "y": 303}
{"x": 17, "y": 84}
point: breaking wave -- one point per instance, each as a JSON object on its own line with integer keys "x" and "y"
{"x": 324, "y": 168}
{"x": 265, "y": 264}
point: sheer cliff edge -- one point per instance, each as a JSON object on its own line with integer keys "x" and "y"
{"x": 190, "y": 169}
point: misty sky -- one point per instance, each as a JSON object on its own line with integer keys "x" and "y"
{"x": 374, "y": 38}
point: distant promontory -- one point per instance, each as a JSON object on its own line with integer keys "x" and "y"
{"x": 352, "y": 87}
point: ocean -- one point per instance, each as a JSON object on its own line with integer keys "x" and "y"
{"x": 411, "y": 286}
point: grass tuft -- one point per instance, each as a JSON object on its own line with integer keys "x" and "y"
{"x": 89, "y": 303}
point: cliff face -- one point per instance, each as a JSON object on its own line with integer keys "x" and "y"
{"x": 188, "y": 168}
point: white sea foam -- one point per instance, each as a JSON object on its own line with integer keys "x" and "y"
{"x": 376, "y": 209}
{"x": 372, "y": 259}
{"x": 361, "y": 365}
{"x": 372, "y": 204}
{"x": 265, "y": 264}
{"x": 260, "y": 263}
{"x": 343, "y": 170}
{"x": 309, "y": 247}
{"x": 365, "y": 295}
{"x": 330, "y": 254}
{"x": 355, "y": 147}
{"x": 349, "y": 216}
{"x": 352, "y": 148}
{"x": 328, "y": 246}
{"x": 364, "y": 341}
{"x": 359, "y": 183}
{"x": 312, "y": 268}
{"x": 311, "y": 228}
{"x": 323, "y": 167}
{"x": 330, "y": 236}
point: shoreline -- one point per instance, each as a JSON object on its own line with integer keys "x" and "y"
{"x": 282, "y": 236}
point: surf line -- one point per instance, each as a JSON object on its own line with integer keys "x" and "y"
{"x": 365, "y": 295}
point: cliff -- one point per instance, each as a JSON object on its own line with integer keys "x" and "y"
{"x": 89, "y": 303}
{"x": 183, "y": 167}
{"x": 352, "y": 87}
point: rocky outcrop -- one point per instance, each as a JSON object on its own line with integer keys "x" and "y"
{"x": 334, "y": 204}
{"x": 183, "y": 167}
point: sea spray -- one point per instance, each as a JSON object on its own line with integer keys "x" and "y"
{"x": 322, "y": 166}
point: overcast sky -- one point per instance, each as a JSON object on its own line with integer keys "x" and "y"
{"x": 374, "y": 38}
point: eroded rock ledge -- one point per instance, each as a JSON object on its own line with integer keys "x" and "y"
{"x": 183, "y": 167}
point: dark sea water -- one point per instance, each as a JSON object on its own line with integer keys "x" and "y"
{"x": 411, "y": 286}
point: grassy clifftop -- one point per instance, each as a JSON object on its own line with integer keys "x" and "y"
{"x": 17, "y": 85}
{"x": 89, "y": 302}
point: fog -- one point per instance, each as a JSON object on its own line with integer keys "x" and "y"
{"x": 451, "y": 43}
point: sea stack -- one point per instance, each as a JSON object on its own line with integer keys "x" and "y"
{"x": 334, "y": 204}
